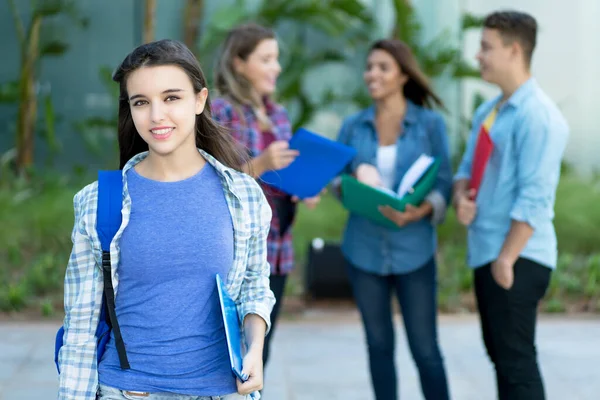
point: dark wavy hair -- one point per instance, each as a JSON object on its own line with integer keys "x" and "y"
{"x": 210, "y": 136}
{"x": 417, "y": 88}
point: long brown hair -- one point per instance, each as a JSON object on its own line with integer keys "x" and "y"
{"x": 240, "y": 43}
{"x": 417, "y": 88}
{"x": 210, "y": 137}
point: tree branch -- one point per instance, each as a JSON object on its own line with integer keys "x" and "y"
{"x": 18, "y": 25}
{"x": 149, "y": 16}
{"x": 191, "y": 24}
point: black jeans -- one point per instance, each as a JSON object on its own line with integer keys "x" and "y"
{"x": 508, "y": 319}
{"x": 277, "y": 284}
{"x": 416, "y": 292}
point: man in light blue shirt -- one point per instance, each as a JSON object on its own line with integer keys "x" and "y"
{"x": 511, "y": 238}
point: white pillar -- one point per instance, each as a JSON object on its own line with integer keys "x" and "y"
{"x": 443, "y": 18}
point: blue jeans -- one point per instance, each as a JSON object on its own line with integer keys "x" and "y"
{"x": 110, "y": 393}
{"x": 416, "y": 293}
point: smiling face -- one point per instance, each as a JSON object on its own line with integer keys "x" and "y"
{"x": 383, "y": 75}
{"x": 261, "y": 68}
{"x": 164, "y": 106}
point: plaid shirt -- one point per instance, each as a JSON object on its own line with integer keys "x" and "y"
{"x": 246, "y": 131}
{"x": 247, "y": 281}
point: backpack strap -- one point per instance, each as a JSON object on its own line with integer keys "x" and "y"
{"x": 110, "y": 202}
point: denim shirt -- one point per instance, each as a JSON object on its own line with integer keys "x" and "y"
{"x": 377, "y": 249}
{"x": 520, "y": 180}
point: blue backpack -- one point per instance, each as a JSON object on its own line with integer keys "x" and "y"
{"x": 110, "y": 201}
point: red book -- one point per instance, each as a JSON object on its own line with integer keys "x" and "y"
{"x": 483, "y": 151}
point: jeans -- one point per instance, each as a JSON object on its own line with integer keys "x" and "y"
{"x": 277, "y": 285}
{"x": 416, "y": 292}
{"x": 508, "y": 319}
{"x": 110, "y": 393}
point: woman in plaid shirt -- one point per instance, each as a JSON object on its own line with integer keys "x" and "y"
{"x": 246, "y": 76}
{"x": 188, "y": 214}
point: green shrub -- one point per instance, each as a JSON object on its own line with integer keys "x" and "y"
{"x": 35, "y": 239}
{"x": 45, "y": 275}
{"x": 14, "y": 296}
{"x": 47, "y": 308}
{"x": 37, "y": 218}
{"x": 576, "y": 279}
{"x": 554, "y": 306}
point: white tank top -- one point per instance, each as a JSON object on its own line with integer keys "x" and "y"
{"x": 386, "y": 164}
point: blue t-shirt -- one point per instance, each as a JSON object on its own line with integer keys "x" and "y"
{"x": 179, "y": 236}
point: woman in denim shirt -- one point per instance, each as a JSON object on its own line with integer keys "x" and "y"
{"x": 389, "y": 136}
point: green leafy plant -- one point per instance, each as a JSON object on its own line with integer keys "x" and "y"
{"x": 37, "y": 39}
{"x": 47, "y": 308}
{"x": 100, "y": 132}
{"x": 438, "y": 55}
{"x": 312, "y": 33}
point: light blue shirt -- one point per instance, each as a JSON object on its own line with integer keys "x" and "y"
{"x": 529, "y": 135}
{"x": 377, "y": 249}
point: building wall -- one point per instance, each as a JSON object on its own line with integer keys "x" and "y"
{"x": 566, "y": 63}
{"x": 73, "y": 80}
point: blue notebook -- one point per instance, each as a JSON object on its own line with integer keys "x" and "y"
{"x": 232, "y": 330}
{"x": 320, "y": 160}
{"x": 235, "y": 345}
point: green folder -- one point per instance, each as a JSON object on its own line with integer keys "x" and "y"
{"x": 365, "y": 200}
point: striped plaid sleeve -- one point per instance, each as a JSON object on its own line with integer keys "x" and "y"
{"x": 83, "y": 296}
{"x": 256, "y": 296}
{"x": 281, "y": 119}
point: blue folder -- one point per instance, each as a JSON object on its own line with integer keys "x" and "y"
{"x": 235, "y": 346}
{"x": 232, "y": 330}
{"x": 320, "y": 160}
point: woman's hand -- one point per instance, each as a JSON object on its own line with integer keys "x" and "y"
{"x": 253, "y": 369}
{"x": 411, "y": 214}
{"x": 252, "y": 365}
{"x": 368, "y": 174}
{"x": 278, "y": 156}
{"x": 310, "y": 202}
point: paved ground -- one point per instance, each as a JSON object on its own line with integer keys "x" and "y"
{"x": 321, "y": 355}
